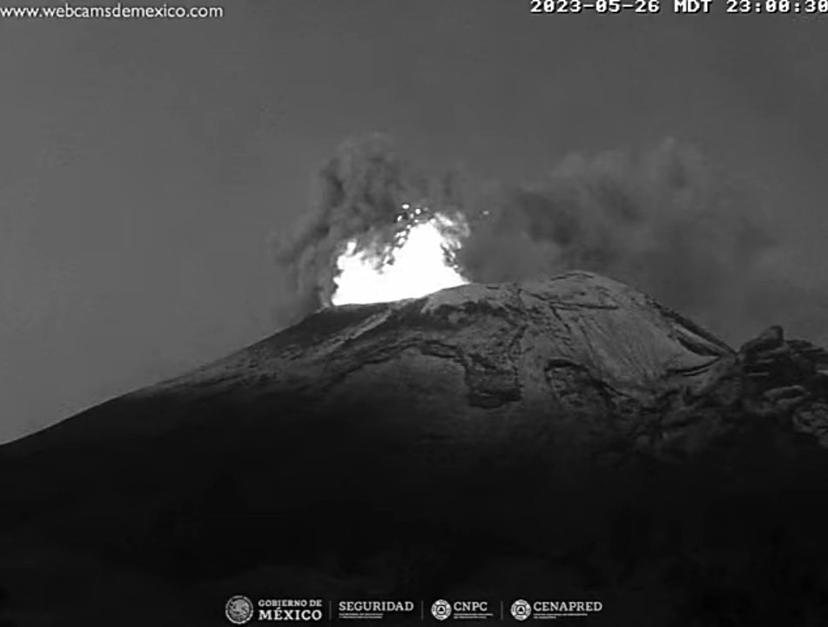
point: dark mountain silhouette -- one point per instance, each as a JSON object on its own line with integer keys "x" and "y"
{"x": 568, "y": 438}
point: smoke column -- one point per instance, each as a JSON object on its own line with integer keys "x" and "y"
{"x": 663, "y": 220}
{"x": 358, "y": 196}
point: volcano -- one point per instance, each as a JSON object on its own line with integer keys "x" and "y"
{"x": 569, "y": 438}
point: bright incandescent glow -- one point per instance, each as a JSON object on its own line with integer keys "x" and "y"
{"x": 419, "y": 265}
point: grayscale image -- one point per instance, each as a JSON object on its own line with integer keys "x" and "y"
{"x": 384, "y": 312}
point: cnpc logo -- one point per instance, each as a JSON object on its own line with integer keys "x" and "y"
{"x": 442, "y": 609}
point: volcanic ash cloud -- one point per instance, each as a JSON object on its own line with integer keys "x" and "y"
{"x": 663, "y": 220}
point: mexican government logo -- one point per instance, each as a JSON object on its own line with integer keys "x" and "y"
{"x": 238, "y": 609}
{"x": 521, "y": 610}
{"x": 441, "y": 609}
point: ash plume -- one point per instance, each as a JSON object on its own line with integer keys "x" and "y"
{"x": 359, "y": 196}
{"x": 663, "y": 220}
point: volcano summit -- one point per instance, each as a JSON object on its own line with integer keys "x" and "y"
{"x": 566, "y": 438}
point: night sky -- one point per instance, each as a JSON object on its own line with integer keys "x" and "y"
{"x": 145, "y": 164}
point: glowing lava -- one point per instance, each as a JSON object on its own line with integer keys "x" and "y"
{"x": 419, "y": 266}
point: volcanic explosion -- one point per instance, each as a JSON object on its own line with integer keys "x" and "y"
{"x": 663, "y": 220}
{"x": 564, "y": 436}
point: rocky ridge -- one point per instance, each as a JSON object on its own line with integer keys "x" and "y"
{"x": 769, "y": 380}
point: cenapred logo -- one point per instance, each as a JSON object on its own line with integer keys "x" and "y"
{"x": 441, "y": 609}
{"x": 521, "y": 610}
{"x": 238, "y": 609}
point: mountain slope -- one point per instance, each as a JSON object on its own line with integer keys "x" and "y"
{"x": 568, "y": 434}
{"x": 506, "y": 339}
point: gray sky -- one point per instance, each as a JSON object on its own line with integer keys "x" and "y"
{"x": 143, "y": 164}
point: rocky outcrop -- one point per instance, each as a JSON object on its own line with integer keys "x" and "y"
{"x": 769, "y": 380}
{"x": 787, "y": 380}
